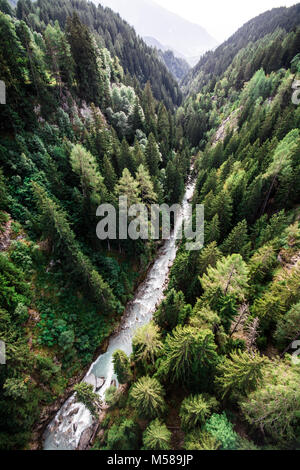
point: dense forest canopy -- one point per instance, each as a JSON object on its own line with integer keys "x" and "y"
{"x": 213, "y": 64}
{"x": 78, "y": 129}
{"x": 110, "y": 31}
{"x": 93, "y": 114}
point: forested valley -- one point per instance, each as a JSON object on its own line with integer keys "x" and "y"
{"x": 93, "y": 114}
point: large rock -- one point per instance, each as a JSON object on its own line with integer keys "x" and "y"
{"x": 85, "y": 438}
{"x": 91, "y": 380}
{"x": 88, "y": 436}
{"x": 99, "y": 383}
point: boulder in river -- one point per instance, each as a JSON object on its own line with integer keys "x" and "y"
{"x": 73, "y": 412}
{"x": 87, "y": 437}
{"x": 91, "y": 380}
{"x": 99, "y": 383}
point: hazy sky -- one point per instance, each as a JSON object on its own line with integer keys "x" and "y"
{"x": 221, "y": 18}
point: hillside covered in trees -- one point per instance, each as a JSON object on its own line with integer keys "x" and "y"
{"x": 137, "y": 59}
{"x": 213, "y": 64}
{"x": 93, "y": 114}
{"x": 215, "y": 369}
{"x": 77, "y": 130}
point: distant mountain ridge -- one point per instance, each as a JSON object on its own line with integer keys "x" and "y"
{"x": 152, "y": 42}
{"x": 174, "y": 61}
{"x": 214, "y": 63}
{"x": 151, "y": 20}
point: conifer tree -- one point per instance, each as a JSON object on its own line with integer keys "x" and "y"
{"x": 212, "y": 230}
{"x": 153, "y": 156}
{"x": 147, "y": 343}
{"x": 57, "y": 227}
{"x": 237, "y": 241}
{"x": 230, "y": 276}
{"x": 85, "y": 395}
{"x": 241, "y": 373}
{"x": 122, "y": 366}
{"x": 281, "y": 161}
{"x": 195, "y": 409}
{"x": 128, "y": 186}
{"x": 149, "y": 109}
{"x": 201, "y": 440}
{"x": 59, "y": 56}
{"x": 174, "y": 184}
{"x": 261, "y": 263}
{"x": 222, "y": 205}
{"x": 157, "y": 436}
{"x": 109, "y": 175}
{"x": 85, "y": 166}
{"x": 163, "y": 129}
{"x": 147, "y": 396}
{"x": 126, "y": 158}
{"x": 136, "y": 118}
{"x": 222, "y": 430}
{"x": 139, "y": 156}
{"x": 190, "y": 357}
{"x": 208, "y": 257}
{"x": 37, "y": 66}
{"x": 288, "y": 327}
{"x": 274, "y": 407}
{"x": 146, "y": 188}
{"x": 85, "y": 57}
{"x": 172, "y": 311}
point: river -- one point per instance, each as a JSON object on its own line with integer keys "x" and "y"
{"x": 65, "y": 430}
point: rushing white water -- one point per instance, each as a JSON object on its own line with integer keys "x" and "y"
{"x": 64, "y": 432}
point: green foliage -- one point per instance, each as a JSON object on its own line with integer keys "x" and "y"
{"x": 157, "y": 436}
{"x": 147, "y": 343}
{"x": 129, "y": 187}
{"x": 274, "y": 406}
{"x": 189, "y": 357}
{"x": 230, "y": 276}
{"x": 195, "y": 410}
{"x": 122, "y": 366}
{"x": 84, "y": 165}
{"x": 282, "y": 293}
{"x": 237, "y": 240}
{"x": 153, "y": 156}
{"x": 86, "y": 395}
{"x": 147, "y": 397}
{"x": 122, "y": 436}
{"x": 241, "y": 373}
{"x": 146, "y": 187}
{"x": 82, "y": 126}
{"x": 112, "y": 396}
{"x": 221, "y": 429}
{"x": 288, "y": 326}
{"x": 201, "y": 440}
{"x": 60, "y": 232}
{"x": 172, "y": 311}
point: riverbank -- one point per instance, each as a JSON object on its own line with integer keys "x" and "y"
{"x": 49, "y": 412}
{"x": 73, "y": 423}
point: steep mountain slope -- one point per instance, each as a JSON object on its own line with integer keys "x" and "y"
{"x": 76, "y": 131}
{"x": 174, "y": 32}
{"x": 177, "y": 66}
{"x": 116, "y": 35}
{"x": 216, "y": 367}
{"x": 213, "y": 64}
{"x": 152, "y": 42}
